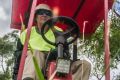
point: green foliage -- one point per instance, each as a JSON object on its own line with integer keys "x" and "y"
{"x": 7, "y": 48}
{"x": 115, "y": 37}
{"x": 94, "y": 47}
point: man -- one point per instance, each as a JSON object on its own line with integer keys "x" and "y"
{"x": 41, "y": 48}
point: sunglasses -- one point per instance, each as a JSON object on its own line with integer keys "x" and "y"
{"x": 44, "y": 11}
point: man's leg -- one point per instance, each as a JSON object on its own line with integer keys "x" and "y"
{"x": 81, "y": 70}
{"x": 29, "y": 69}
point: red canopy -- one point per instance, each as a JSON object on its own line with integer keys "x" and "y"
{"x": 80, "y": 10}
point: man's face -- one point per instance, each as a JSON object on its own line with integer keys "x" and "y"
{"x": 41, "y": 19}
{"x": 42, "y": 15}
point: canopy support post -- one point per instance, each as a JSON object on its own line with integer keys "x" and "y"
{"x": 24, "y": 52}
{"x": 106, "y": 42}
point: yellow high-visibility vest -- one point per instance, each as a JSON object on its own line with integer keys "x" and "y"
{"x": 37, "y": 42}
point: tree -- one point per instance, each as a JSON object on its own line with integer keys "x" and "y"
{"x": 94, "y": 47}
{"x": 7, "y": 48}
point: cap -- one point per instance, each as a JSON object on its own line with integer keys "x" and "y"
{"x": 43, "y": 6}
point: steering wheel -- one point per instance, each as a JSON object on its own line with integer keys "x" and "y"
{"x": 72, "y": 30}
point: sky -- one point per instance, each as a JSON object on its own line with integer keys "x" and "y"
{"x": 5, "y": 16}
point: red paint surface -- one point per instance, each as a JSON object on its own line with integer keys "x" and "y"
{"x": 91, "y": 11}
